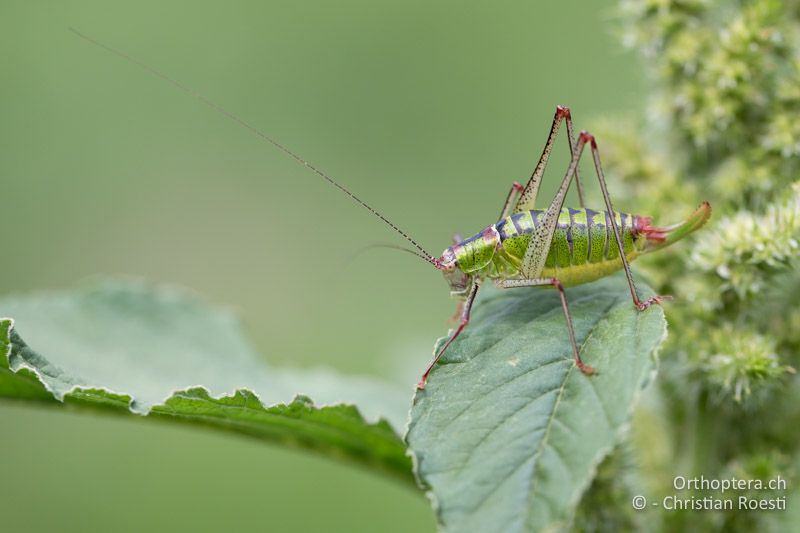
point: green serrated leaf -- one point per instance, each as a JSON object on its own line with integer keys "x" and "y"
{"x": 160, "y": 352}
{"x": 508, "y": 433}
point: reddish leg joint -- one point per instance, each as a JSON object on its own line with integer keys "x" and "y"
{"x": 587, "y": 137}
{"x": 642, "y": 305}
{"x": 583, "y": 367}
{"x": 562, "y": 111}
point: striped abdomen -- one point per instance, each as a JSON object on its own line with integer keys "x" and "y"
{"x": 583, "y": 247}
{"x": 582, "y": 236}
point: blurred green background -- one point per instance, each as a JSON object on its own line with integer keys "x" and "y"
{"x": 427, "y": 110}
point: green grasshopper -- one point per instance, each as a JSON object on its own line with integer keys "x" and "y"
{"x": 558, "y": 247}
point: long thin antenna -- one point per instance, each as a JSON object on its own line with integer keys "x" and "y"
{"x": 389, "y": 246}
{"x": 213, "y": 105}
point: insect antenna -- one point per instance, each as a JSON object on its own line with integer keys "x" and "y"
{"x": 218, "y": 108}
{"x": 351, "y": 258}
{"x": 390, "y": 246}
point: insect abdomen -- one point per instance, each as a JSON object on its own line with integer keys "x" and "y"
{"x": 582, "y": 236}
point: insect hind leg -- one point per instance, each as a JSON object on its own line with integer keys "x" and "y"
{"x": 527, "y": 197}
{"x": 586, "y": 137}
{"x": 556, "y": 283}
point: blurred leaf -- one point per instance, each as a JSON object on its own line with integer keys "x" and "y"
{"x": 508, "y": 433}
{"x": 160, "y": 352}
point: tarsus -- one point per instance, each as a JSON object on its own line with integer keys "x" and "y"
{"x": 213, "y": 105}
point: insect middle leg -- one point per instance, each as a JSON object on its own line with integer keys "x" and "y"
{"x": 552, "y": 282}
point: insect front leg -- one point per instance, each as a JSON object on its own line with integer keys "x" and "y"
{"x": 465, "y": 307}
{"x": 527, "y": 199}
{"x": 552, "y": 282}
{"x": 640, "y": 304}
